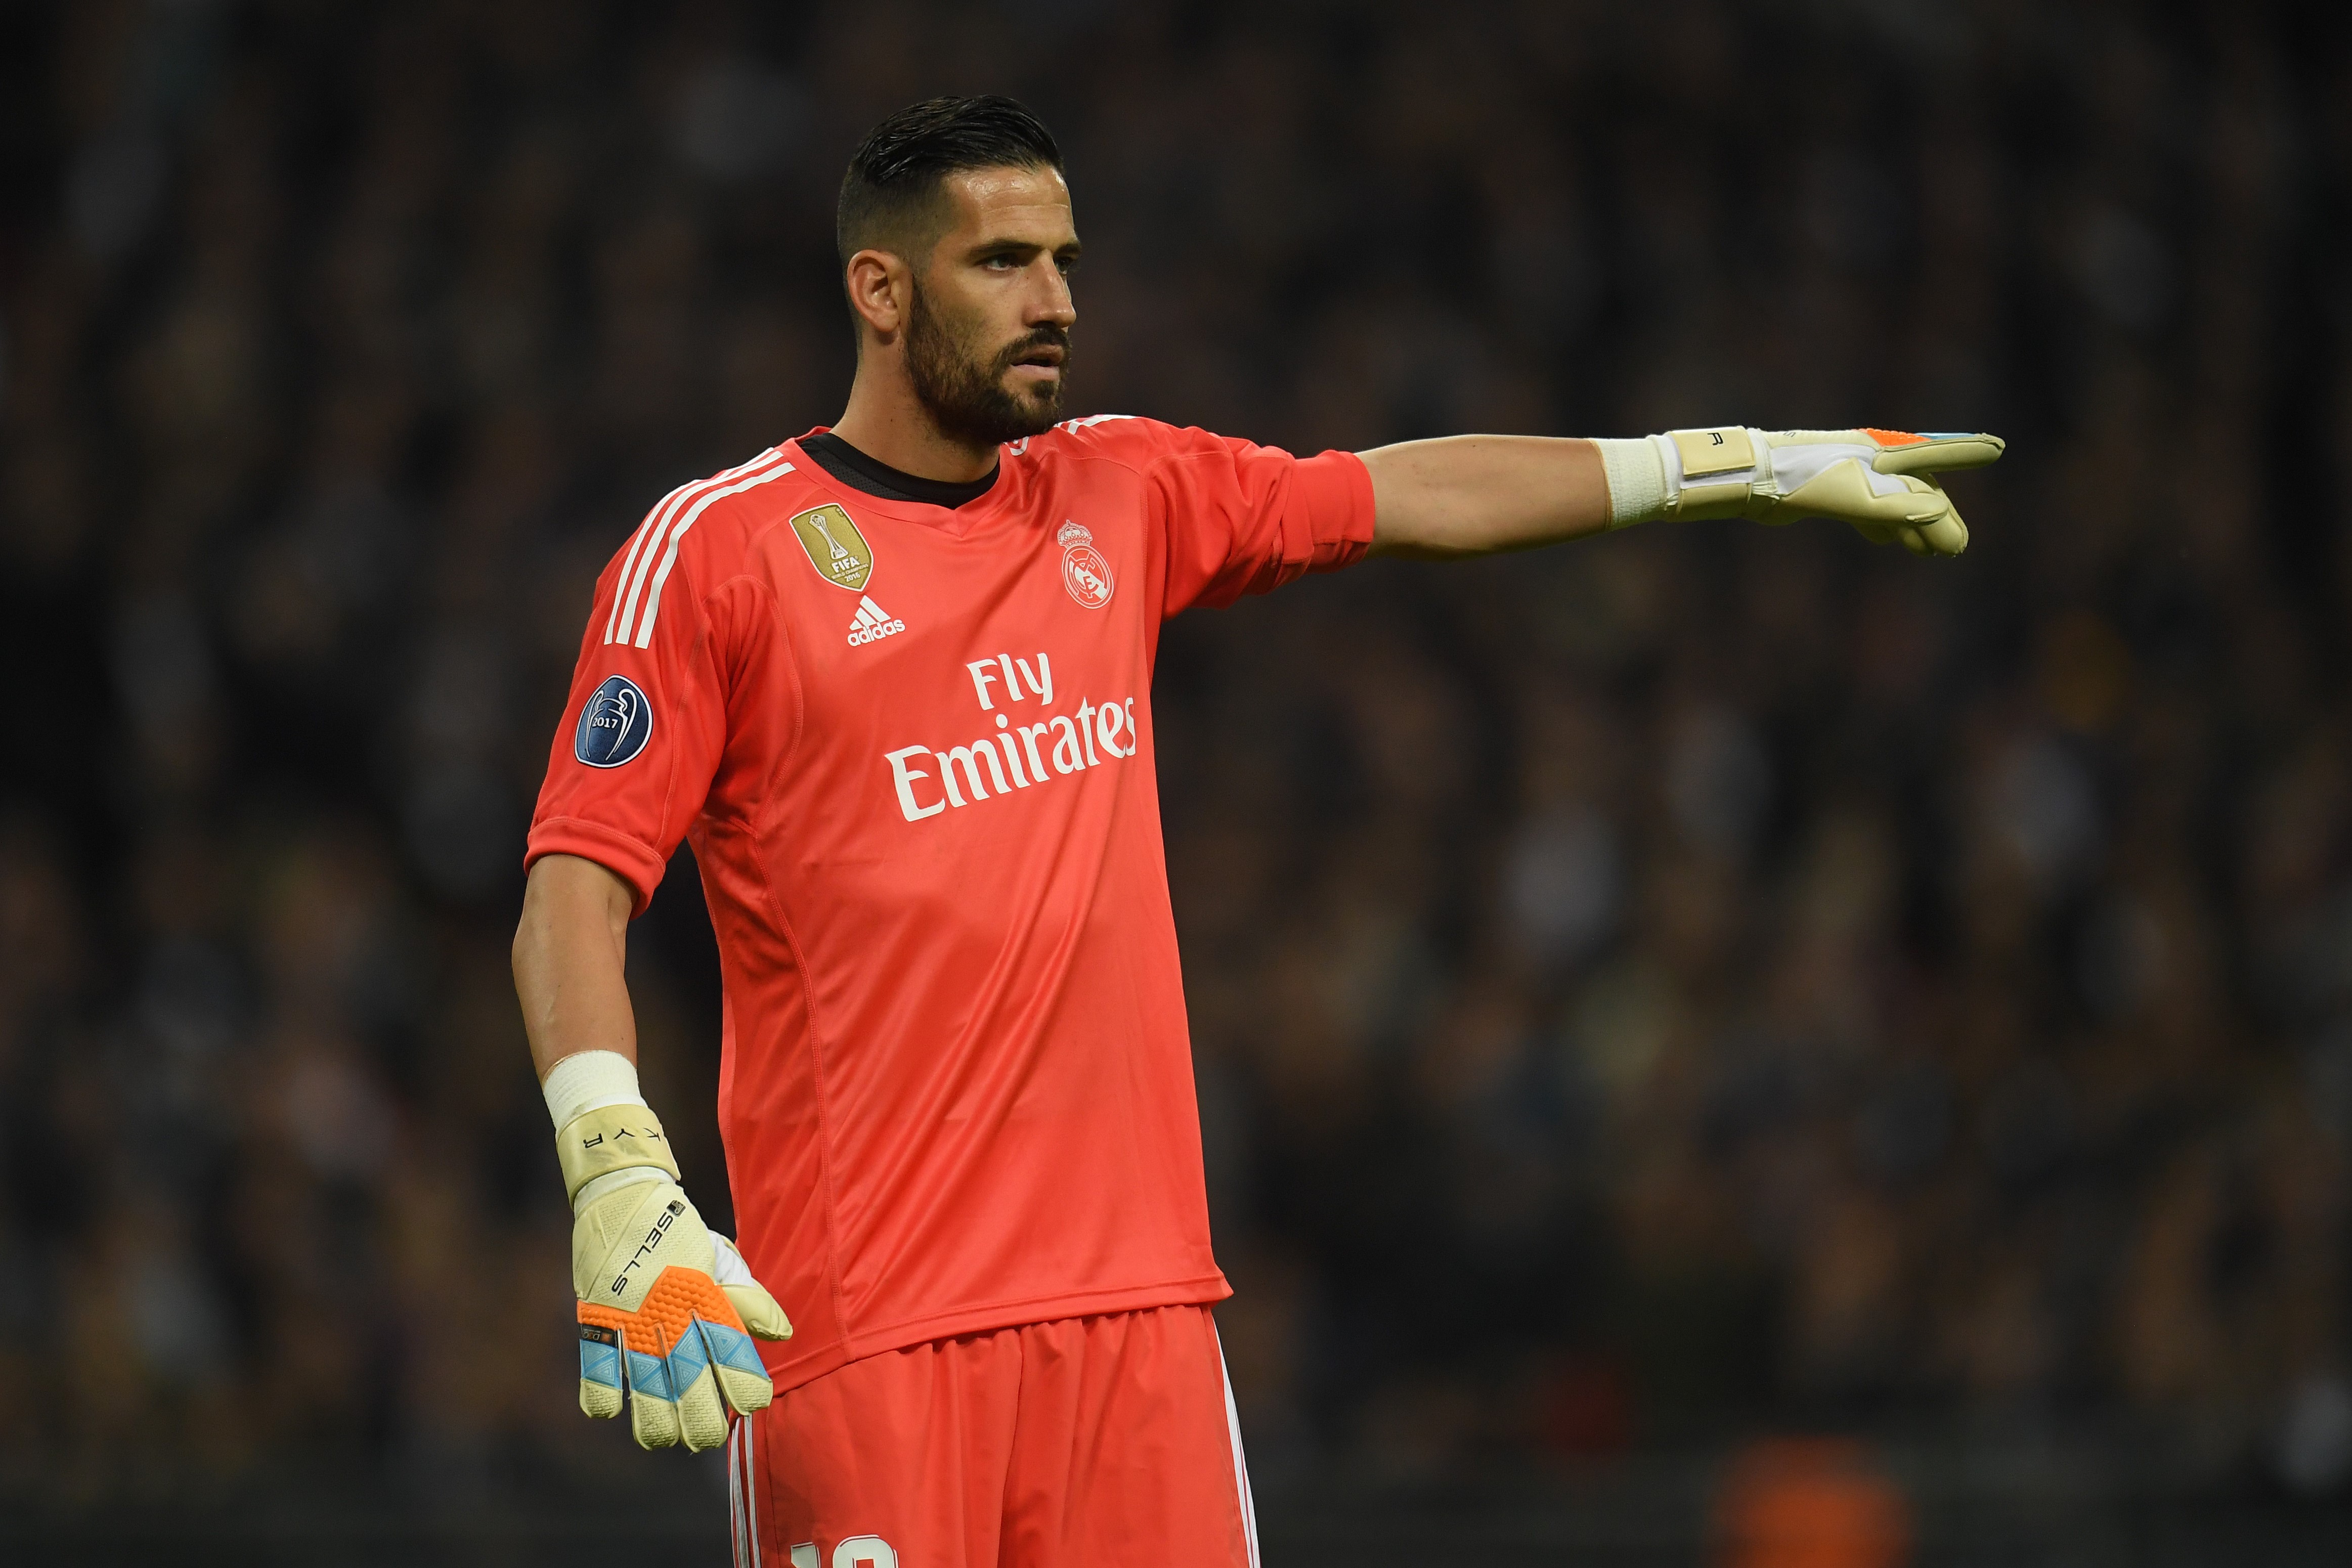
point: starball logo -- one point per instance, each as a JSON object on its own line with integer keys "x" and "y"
{"x": 1019, "y": 755}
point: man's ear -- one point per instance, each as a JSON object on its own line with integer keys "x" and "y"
{"x": 879, "y": 287}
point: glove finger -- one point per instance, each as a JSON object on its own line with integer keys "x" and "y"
{"x": 759, "y": 1311}
{"x": 752, "y": 1304}
{"x": 735, "y": 1364}
{"x": 1921, "y": 515}
{"x": 1934, "y": 453}
{"x": 701, "y": 1417}
{"x": 601, "y": 1383}
{"x": 1876, "y": 532}
{"x": 1933, "y": 521}
{"x": 653, "y": 1412}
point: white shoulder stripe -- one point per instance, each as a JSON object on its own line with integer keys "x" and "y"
{"x": 658, "y": 523}
{"x": 669, "y": 556}
{"x": 629, "y": 561}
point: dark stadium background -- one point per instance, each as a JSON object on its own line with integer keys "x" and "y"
{"x": 1689, "y": 1026}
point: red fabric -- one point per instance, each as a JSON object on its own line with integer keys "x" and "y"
{"x": 1065, "y": 1445}
{"x": 956, "y": 1089}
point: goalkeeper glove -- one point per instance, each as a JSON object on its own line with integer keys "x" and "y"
{"x": 667, "y": 1309}
{"x": 1881, "y": 481}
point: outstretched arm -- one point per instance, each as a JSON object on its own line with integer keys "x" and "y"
{"x": 1474, "y": 495}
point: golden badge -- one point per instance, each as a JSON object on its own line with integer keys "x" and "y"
{"x": 834, "y": 547}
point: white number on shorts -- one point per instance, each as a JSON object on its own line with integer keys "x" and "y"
{"x": 866, "y": 1549}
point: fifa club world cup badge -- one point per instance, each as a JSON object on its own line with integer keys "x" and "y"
{"x": 1084, "y": 573}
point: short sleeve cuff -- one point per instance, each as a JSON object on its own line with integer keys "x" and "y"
{"x": 628, "y": 858}
{"x": 1331, "y": 505}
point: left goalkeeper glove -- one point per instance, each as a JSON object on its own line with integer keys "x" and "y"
{"x": 1881, "y": 481}
{"x": 667, "y": 1309}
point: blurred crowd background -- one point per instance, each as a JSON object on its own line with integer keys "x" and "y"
{"x": 1695, "y": 984}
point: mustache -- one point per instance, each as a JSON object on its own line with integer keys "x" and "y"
{"x": 1039, "y": 338}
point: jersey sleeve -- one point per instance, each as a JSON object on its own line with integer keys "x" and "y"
{"x": 1243, "y": 519}
{"x": 646, "y": 724}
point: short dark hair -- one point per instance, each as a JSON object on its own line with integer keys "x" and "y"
{"x": 890, "y": 196}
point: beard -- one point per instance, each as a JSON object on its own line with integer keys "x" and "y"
{"x": 963, "y": 387}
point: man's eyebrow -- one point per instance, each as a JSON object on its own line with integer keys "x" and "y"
{"x": 1022, "y": 247}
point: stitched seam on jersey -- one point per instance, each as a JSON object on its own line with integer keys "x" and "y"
{"x": 1233, "y": 540}
{"x": 876, "y": 1341}
{"x": 824, "y": 1110}
{"x": 791, "y": 656}
{"x": 1021, "y": 1302}
{"x": 754, "y": 832}
{"x": 1168, "y": 535}
{"x": 783, "y": 625}
{"x": 702, "y": 642}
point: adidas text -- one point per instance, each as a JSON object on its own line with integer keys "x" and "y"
{"x": 873, "y": 624}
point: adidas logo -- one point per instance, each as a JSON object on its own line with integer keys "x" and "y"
{"x": 873, "y": 624}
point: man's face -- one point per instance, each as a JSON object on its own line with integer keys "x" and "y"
{"x": 988, "y": 329}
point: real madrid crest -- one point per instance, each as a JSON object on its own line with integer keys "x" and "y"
{"x": 1084, "y": 573}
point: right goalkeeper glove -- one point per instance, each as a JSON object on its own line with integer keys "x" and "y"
{"x": 667, "y": 1309}
{"x": 1881, "y": 481}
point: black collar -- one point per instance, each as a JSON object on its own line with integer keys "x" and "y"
{"x": 856, "y": 469}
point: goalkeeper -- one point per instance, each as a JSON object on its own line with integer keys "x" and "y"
{"x": 893, "y": 679}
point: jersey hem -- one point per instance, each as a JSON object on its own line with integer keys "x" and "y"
{"x": 1338, "y": 482}
{"x": 1196, "y": 1292}
{"x": 628, "y": 858}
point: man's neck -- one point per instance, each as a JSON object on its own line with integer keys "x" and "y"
{"x": 888, "y": 424}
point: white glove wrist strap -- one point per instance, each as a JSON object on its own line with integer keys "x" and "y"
{"x": 602, "y": 1126}
{"x": 1637, "y": 481}
{"x": 589, "y": 1080}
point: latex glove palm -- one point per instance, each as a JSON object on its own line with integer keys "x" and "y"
{"x": 1881, "y": 481}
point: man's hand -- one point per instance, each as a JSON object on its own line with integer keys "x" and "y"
{"x": 666, "y": 1312}
{"x": 1474, "y": 495}
{"x": 1881, "y": 481}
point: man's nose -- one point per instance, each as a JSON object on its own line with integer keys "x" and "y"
{"x": 1050, "y": 303}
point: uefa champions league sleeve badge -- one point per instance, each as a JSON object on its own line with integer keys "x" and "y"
{"x": 1084, "y": 573}
{"x": 615, "y": 725}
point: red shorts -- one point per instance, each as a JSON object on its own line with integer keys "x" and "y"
{"x": 1077, "y": 1444}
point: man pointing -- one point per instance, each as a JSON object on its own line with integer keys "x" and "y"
{"x": 892, "y": 682}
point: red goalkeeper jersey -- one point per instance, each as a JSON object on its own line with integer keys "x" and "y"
{"x": 912, "y": 748}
